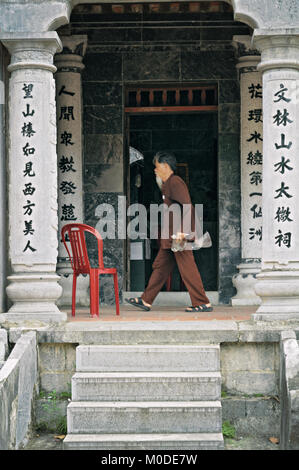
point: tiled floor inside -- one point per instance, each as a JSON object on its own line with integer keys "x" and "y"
{"x": 158, "y": 313}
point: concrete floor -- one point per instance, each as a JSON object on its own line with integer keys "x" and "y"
{"x": 159, "y": 313}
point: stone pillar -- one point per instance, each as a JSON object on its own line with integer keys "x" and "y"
{"x": 278, "y": 281}
{"x": 251, "y": 134}
{"x": 32, "y": 178}
{"x": 70, "y": 162}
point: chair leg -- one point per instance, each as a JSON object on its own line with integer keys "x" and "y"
{"x": 92, "y": 293}
{"x": 74, "y": 295}
{"x": 97, "y": 293}
{"x": 116, "y": 293}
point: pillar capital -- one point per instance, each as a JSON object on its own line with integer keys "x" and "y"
{"x": 74, "y": 44}
{"x": 279, "y": 48}
{"x": 248, "y": 57}
{"x": 70, "y": 57}
{"x": 32, "y": 50}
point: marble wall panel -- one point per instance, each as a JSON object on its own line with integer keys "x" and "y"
{"x": 229, "y": 118}
{"x": 99, "y": 178}
{"x": 92, "y": 200}
{"x": 229, "y": 91}
{"x": 170, "y": 35}
{"x": 102, "y": 94}
{"x": 226, "y": 289}
{"x": 105, "y": 67}
{"x": 114, "y": 34}
{"x": 148, "y": 66}
{"x": 104, "y": 149}
{"x": 229, "y": 147}
{"x": 207, "y": 65}
{"x": 102, "y": 119}
{"x": 228, "y": 257}
{"x": 229, "y": 218}
{"x": 229, "y": 172}
{"x": 229, "y": 198}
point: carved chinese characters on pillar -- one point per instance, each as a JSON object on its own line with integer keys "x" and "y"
{"x": 29, "y": 151}
{"x": 66, "y": 114}
{"x": 252, "y": 168}
{"x": 284, "y": 172}
{"x": 255, "y": 160}
{"x": 69, "y": 145}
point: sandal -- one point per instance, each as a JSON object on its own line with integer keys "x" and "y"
{"x": 139, "y": 303}
{"x": 199, "y": 308}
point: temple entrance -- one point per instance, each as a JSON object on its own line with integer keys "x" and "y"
{"x": 192, "y": 136}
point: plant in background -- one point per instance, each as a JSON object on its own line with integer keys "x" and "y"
{"x": 62, "y": 425}
{"x": 55, "y": 419}
{"x": 228, "y": 430}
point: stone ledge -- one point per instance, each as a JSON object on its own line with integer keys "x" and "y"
{"x": 159, "y": 332}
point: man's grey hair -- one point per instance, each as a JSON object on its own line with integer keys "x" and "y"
{"x": 165, "y": 157}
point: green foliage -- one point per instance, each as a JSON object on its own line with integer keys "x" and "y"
{"x": 62, "y": 425}
{"x": 55, "y": 420}
{"x": 228, "y": 430}
{"x": 63, "y": 395}
{"x": 53, "y": 396}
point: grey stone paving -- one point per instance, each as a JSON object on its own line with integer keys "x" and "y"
{"x": 48, "y": 442}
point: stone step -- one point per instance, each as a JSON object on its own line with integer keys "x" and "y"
{"x": 144, "y": 417}
{"x": 148, "y": 358}
{"x": 146, "y": 386}
{"x": 178, "y": 441}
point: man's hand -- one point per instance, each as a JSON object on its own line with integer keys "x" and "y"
{"x": 180, "y": 236}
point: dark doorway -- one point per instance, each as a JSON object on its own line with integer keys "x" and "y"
{"x": 193, "y": 139}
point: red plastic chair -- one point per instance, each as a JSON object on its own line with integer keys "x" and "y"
{"x": 81, "y": 264}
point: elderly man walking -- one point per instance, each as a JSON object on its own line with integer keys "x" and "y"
{"x": 174, "y": 191}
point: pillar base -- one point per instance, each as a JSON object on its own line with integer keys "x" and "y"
{"x": 34, "y": 298}
{"x": 66, "y": 282}
{"x": 279, "y": 292}
{"x": 244, "y": 282}
{"x": 31, "y": 319}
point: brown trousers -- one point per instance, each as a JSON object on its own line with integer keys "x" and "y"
{"x": 162, "y": 267}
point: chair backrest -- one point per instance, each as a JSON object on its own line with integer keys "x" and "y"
{"x": 79, "y": 256}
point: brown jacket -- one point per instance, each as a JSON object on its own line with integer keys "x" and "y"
{"x": 175, "y": 191}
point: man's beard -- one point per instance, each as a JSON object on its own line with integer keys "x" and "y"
{"x": 159, "y": 182}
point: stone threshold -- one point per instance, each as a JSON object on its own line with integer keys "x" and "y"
{"x": 158, "y": 332}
